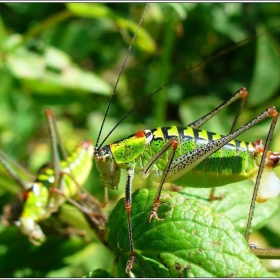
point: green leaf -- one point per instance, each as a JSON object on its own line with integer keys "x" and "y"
{"x": 3, "y": 32}
{"x": 266, "y": 71}
{"x": 143, "y": 40}
{"x": 235, "y": 204}
{"x": 191, "y": 240}
{"x": 98, "y": 273}
{"x": 89, "y": 10}
{"x": 224, "y": 21}
{"x": 53, "y": 72}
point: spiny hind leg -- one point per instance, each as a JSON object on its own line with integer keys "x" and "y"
{"x": 271, "y": 112}
{"x": 240, "y": 94}
{"x": 190, "y": 160}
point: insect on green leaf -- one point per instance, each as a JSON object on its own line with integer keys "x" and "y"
{"x": 190, "y": 156}
{"x": 191, "y": 241}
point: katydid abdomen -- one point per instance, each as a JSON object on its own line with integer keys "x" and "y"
{"x": 232, "y": 163}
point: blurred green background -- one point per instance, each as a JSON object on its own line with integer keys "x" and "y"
{"x": 68, "y": 57}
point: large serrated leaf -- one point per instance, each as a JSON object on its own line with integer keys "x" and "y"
{"x": 191, "y": 240}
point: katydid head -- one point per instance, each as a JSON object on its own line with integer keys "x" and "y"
{"x": 121, "y": 154}
{"x": 107, "y": 167}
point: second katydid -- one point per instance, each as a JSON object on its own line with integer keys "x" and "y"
{"x": 53, "y": 186}
{"x": 188, "y": 156}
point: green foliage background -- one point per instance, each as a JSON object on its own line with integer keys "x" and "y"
{"x": 68, "y": 57}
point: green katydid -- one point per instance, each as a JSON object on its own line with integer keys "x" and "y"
{"x": 53, "y": 186}
{"x": 181, "y": 155}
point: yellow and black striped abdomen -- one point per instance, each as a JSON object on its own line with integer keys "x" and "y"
{"x": 232, "y": 163}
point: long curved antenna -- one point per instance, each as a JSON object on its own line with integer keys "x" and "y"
{"x": 117, "y": 82}
{"x": 207, "y": 60}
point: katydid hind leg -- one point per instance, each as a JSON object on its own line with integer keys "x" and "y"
{"x": 53, "y": 131}
{"x": 274, "y": 114}
{"x": 86, "y": 203}
{"x": 56, "y": 159}
{"x": 240, "y": 94}
{"x": 11, "y": 166}
{"x": 190, "y": 160}
{"x": 55, "y": 142}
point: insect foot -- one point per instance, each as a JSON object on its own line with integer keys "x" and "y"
{"x": 213, "y": 197}
{"x": 154, "y": 214}
{"x": 129, "y": 264}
